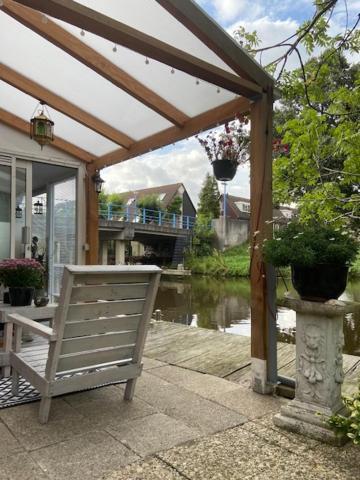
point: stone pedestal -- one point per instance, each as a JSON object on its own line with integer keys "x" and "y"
{"x": 319, "y": 369}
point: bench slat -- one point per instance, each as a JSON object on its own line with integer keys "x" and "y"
{"x": 94, "y": 342}
{"x": 83, "y": 311}
{"x": 102, "y": 325}
{"x": 87, "y": 293}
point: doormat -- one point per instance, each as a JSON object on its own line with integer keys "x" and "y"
{"x": 27, "y": 393}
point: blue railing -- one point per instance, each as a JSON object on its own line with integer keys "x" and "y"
{"x": 110, "y": 211}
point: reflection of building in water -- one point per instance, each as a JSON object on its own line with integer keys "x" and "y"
{"x": 174, "y": 301}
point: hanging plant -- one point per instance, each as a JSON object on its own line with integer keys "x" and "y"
{"x": 227, "y": 149}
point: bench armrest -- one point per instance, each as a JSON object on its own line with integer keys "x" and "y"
{"x": 31, "y": 325}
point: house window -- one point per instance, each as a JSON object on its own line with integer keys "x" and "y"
{"x": 243, "y": 207}
{"x": 162, "y": 196}
{"x": 130, "y": 201}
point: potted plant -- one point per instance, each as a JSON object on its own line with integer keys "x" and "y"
{"x": 228, "y": 149}
{"x": 319, "y": 257}
{"x": 22, "y": 277}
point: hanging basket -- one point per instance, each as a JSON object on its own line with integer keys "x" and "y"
{"x": 224, "y": 169}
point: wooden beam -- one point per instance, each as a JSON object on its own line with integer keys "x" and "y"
{"x": 92, "y": 218}
{"x": 260, "y": 228}
{"x": 204, "y": 121}
{"x": 67, "y": 108}
{"x": 94, "y": 60}
{"x": 22, "y": 126}
{"x": 195, "y": 19}
{"x": 122, "y": 34}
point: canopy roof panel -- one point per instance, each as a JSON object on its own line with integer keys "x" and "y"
{"x": 166, "y": 79}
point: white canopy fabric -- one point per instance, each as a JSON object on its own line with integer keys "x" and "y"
{"x": 41, "y": 61}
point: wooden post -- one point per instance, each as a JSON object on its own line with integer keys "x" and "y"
{"x": 92, "y": 219}
{"x": 260, "y": 228}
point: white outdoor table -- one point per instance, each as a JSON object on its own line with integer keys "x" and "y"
{"x": 30, "y": 311}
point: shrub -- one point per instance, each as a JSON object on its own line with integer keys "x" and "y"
{"x": 309, "y": 245}
{"x": 349, "y": 426}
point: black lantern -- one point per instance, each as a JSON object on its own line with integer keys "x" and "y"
{"x": 38, "y": 208}
{"x": 18, "y": 212}
{"x": 98, "y": 181}
{"x": 42, "y": 127}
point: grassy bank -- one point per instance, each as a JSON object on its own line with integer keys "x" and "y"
{"x": 235, "y": 262}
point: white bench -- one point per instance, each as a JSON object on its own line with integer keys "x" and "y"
{"x": 98, "y": 333}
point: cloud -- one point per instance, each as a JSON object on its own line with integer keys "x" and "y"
{"x": 186, "y": 163}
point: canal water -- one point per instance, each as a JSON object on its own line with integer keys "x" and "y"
{"x": 224, "y": 304}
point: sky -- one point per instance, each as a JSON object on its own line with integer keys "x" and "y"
{"x": 186, "y": 162}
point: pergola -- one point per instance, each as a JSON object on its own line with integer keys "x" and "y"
{"x": 128, "y": 77}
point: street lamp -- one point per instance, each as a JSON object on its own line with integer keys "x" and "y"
{"x": 98, "y": 181}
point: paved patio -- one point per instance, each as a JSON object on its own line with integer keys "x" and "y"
{"x": 181, "y": 425}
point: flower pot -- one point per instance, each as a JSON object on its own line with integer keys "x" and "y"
{"x": 21, "y": 296}
{"x": 319, "y": 283}
{"x": 40, "y": 298}
{"x": 224, "y": 170}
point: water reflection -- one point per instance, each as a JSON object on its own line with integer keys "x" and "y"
{"x": 224, "y": 305}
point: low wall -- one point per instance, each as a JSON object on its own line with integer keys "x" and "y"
{"x": 234, "y": 232}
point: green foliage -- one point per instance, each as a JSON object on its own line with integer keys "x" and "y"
{"x": 175, "y": 206}
{"x": 321, "y": 172}
{"x": 350, "y": 425}
{"x": 203, "y": 237}
{"x": 115, "y": 199}
{"x": 308, "y": 245}
{"x": 150, "y": 202}
{"x": 234, "y": 262}
{"x": 209, "y": 205}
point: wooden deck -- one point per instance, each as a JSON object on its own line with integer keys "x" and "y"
{"x": 223, "y": 354}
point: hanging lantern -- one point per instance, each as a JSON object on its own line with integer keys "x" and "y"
{"x": 98, "y": 181}
{"x": 18, "y": 212}
{"x": 38, "y": 208}
{"x": 42, "y": 127}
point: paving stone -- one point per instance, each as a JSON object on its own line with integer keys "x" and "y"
{"x": 8, "y": 443}
{"x": 103, "y": 414}
{"x": 152, "y": 434}
{"x": 249, "y": 403}
{"x": 181, "y": 404}
{"x": 21, "y": 467}
{"x": 89, "y": 456}
{"x": 343, "y": 461}
{"x": 239, "y": 455}
{"x": 108, "y": 393}
{"x": 152, "y": 469}
{"x": 267, "y": 431}
{"x": 150, "y": 363}
{"x": 204, "y": 385}
{"x": 64, "y": 422}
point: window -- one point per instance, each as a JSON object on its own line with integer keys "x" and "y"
{"x": 162, "y": 196}
{"x": 243, "y": 207}
{"x": 130, "y": 201}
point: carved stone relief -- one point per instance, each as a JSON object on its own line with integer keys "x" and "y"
{"x": 311, "y": 362}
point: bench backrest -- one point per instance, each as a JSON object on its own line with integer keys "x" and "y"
{"x": 102, "y": 318}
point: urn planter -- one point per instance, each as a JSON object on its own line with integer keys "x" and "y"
{"x": 224, "y": 169}
{"x": 319, "y": 283}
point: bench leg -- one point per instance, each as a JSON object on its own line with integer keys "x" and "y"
{"x": 45, "y": 404}
{"x": 130, "y": 389}
{"x": 15, "y": 382}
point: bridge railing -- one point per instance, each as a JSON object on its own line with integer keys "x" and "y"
{"x": 110, "y": 211}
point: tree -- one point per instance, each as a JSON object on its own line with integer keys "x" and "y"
{"x": 209, "y": 198}
{"x": 321, "y": 172}
{"x": 317, "y": 118}
{"x": 175, "y": 206}
{"x": 150, "y": 202}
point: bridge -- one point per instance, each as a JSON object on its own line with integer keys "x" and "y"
{"x": 155, "y": 228}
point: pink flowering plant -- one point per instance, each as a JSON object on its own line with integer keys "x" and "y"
{"x": 21, "y": 272}
{"x": 231, "y": 144}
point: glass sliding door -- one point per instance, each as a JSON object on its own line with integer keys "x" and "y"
{"x": 15, "y": 208}
{"x": 5, "y": 210}
{"x": 62, "y": 241}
